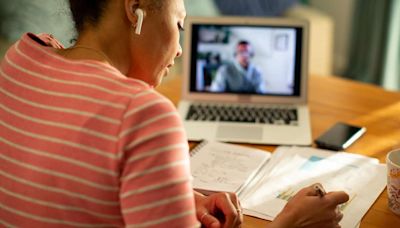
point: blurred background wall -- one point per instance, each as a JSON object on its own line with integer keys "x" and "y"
{"x": 357, "y": 39}
{"x": 341, "y": 12}
{"x": 37, "y": 16}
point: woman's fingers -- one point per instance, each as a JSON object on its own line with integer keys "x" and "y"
{"x": 209, "y": 221}
{"x": 235, "y": 201}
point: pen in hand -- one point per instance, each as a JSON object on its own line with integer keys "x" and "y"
{"x": 319, "y": 189}
{"x": 321, "y": 192}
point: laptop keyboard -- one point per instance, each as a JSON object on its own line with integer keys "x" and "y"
{"x": 239, "y": 113}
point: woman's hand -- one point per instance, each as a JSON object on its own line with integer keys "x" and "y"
{"x": 308, "y": 209}
{"x": 218, "y": 210}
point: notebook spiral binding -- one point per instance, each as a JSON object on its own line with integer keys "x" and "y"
{"x": 198, "y": 147}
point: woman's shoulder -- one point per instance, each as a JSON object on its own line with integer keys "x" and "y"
{"x": 98, "y": 79}
{"x": 149, "y": 97}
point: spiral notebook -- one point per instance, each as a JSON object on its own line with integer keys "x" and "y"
{"x": 224, "y": 167}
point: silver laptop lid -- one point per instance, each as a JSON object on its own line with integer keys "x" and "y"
{"x": 271, "y": 53}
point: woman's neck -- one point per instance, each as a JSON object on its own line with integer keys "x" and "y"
{"x": 91, "y": 44}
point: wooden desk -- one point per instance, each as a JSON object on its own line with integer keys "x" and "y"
{"x": 334, "y": 99}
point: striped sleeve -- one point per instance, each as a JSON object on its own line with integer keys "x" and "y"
{"x": 155, "y": 179}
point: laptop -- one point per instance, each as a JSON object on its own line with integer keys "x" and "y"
{"x": 245, "y": 80}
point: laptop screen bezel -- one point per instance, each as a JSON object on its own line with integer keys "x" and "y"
{"x": 244, "y": 21}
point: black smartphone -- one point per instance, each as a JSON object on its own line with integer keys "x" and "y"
{"x": 340, "y": 136}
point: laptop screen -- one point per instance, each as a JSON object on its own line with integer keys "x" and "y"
{"x": 246, "y": 59}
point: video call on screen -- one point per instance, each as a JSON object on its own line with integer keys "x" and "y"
{"x": 266, "y": 63}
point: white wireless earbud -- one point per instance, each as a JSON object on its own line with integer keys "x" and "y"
{"x": 140, "y": 15}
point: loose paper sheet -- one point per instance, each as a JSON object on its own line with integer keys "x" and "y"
{"x": 292, "y": 168}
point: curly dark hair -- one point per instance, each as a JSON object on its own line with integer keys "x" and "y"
{"x": 87, "y": 12}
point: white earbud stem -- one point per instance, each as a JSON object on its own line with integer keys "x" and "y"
{"x": 140, "y": 15}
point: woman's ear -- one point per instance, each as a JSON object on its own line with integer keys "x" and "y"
{"x": 130, "y": 8}
{"x": 135, "y": 15}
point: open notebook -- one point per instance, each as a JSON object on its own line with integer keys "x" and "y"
{"x": 265, "y": 183}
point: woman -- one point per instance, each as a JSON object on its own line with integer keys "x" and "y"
{"x": 87, "y": 142}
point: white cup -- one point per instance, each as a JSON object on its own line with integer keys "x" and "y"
{"x": 393, "y": 180}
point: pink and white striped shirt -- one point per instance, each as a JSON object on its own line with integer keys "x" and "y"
{"x": 81, "y": 145}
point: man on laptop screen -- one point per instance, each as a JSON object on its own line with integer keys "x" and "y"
{"x": 245, "y": 80}
{"x": 239, "y": 75}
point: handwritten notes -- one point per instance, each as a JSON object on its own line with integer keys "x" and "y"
{"x": 218, "y": 166}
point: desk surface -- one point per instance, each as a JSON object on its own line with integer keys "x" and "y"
{"x": 333, "y": 99}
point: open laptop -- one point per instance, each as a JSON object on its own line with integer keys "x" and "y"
{"x": 245, "y": 80}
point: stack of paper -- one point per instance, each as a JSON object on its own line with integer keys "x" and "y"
{"x": 292, "y": 168}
